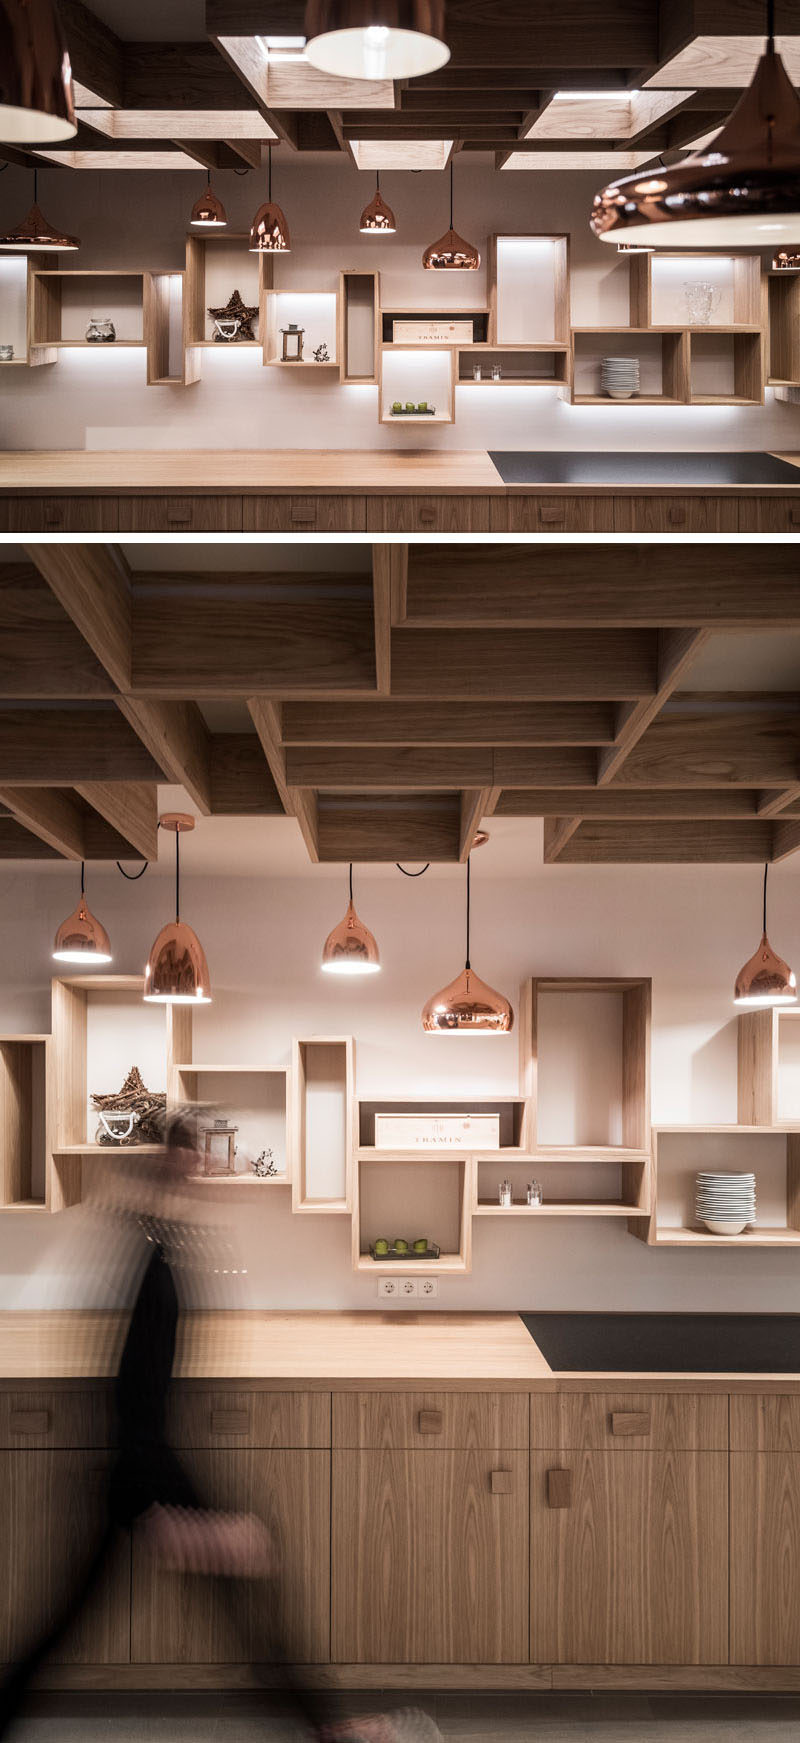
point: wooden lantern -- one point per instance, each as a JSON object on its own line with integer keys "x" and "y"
{"x": 292, "y": 336}
{"x": 224, "y": 1136}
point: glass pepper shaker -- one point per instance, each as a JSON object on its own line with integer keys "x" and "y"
{"x": 505, "y": 1194}
{"x": 535, "y": 1194}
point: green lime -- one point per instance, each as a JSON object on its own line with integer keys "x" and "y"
{"x": 421, "y": 1246}
{"x": 381, "y": 1246}
{"x": 401, "y": 1246}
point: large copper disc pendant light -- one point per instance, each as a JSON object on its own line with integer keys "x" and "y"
{"x": 765, "y": 979}
{"x": 177, "y": 971}
{"x": 451, "y": 253}
{"x": 377, "y": 219}
{"x": 36, "y": 101}
{"x": 82, "y": 938}
{"x": 467, "y": 1006}
{"x": 34, "y": 235}
{"x": 270, "y": 232}
{"x": 742, "y": 189}
{"x": 208, "y": 212}
{"x": 350, "y": 948}
{"x": 376, "y": 39}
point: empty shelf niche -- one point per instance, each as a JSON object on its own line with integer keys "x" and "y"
{"x": 323, "y": 1124}
{"x": 22, "y": 1112}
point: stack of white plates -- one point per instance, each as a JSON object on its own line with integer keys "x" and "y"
{"x": 726, "y": 1203}
{"x": 619, "y": 377}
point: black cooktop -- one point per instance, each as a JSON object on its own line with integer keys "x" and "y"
{"x": 660, "y": 468}
{"x": 668, "y": 1343}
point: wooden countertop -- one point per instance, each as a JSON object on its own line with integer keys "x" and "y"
{"x": 339, "y": 1351}
{"x": 343, "y": 472}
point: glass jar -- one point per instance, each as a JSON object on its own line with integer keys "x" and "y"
{"x": 100, "y": 331}
{"x": 535, "y": 1194}
{"x": 497, "y": 374}
{"x": 505, "y": 1194}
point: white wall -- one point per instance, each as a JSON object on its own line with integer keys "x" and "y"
{"x": 138, "y": 219}
{"x": 689, "y": 928}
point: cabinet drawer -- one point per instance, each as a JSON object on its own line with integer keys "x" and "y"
{"x": 769, "y": 514}
{"x": 428, "y": 514}
{"x": 558, "y": 514}
{"x": 389, "y": 1420}
{"x": 56, "y": 1419}
{"x": 675, "y": 514}
{"x": 765, "y": 1422}
{"x": 180, "y": 514}
{"x": 59, "y": 514}
{"x": 630, "y": 1421}
{"x": 230, "y": 1419}
{"x": 304, "y": 514}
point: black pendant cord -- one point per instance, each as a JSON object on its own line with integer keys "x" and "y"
{"x": 177, "y": 874}
{"x": 468, "y": 964}
{"x": 83, "y": 877}
{"x": 451, "y": 193}
{"x": 770, "y": 26}
{"x": 764, "y": 904}
{"x": 408, "y": 874}
{"x": 132, "y": 876}
{"x": 269, "y": 174}
{"x": 36, "y": 187}
{"x": 377, "y": 181}
{"x": 351, "y": 880}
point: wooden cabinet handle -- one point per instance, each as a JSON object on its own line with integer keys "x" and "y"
{"x": 552, "y": 516}
{"x": 430, "y": 1422}
{"x": 794, "y": 517}
{"x": 559, "y": 1488}
{"x": 677, "y": 516}
{"x": 427, "y": 516}
{"x": 230, "y": 1421}
{"x": 630, "y": 1422}
{"x": 304, "y": 516}
{"x": 501, "y": 1482}
{"x": 29, "y": 1421}
{"x": 178, "y": 520}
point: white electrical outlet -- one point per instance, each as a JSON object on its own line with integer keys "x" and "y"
{"x": 389, "y": 1286}
{"x": 397, "y": 1288}
{"x": 409, "y": 1286}
{"x": 429, "y": 1286}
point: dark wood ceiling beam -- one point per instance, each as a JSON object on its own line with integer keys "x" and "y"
{"x": 299, "y": 802}
{"x": 416, "y": 829}
{"x": 785, "y": 840}
{"x": 96, "y": 54}
{"x": 92, "y": 586}
{"x": 59, "y": 746}
{"x": 234, "y": 641}
{"x": 677, "y": 649}
{"x": 451, "y": 80}
{"x": 180, "y": 75}
{"x": 400, "y": 770}
{"x": 245, "y": 60}
{"x": 17, "y": 842}
{"x": 130, "y": 809}
{"x": 418, "y": 100}
{"x": 448, "y": 723}
{"x": 42, "y": 654}
{"x": 524, "y": 665}
{"x": 382, "y": 587}
{"x": 50, "y": 814}
{"x": 724, "y": 751}
{"x": 597, "y": 843}
{"x": 609, "y": 803}
{"x": 475, "y": 805}
{"x": 493, "y": 139}
{"x": 241, "y": 781}
{"x": 773, "y": 804}
{"x": 222, "y": 154}
{"x": 626, "y": 585}
{"x": 176, "y": 736}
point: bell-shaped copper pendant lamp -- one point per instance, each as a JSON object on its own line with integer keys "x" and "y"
{"x": 467, "y": 1006}
{"x": 376, "y": 39}
{"x": 82, "y": 938}
{"x": 766, "y": 979}
{"x": 451, "y": 253}
{"x": 743, "y": 188}
{"x": 177, "y": 971}
{"x": 350, "y": 948}
{"x": 269, "y": 233}
{"x": 208, "y": 212}
{"x": 377, "y": 219}
{"x": 34, "y": 235}
{"x": 36, "y": 101}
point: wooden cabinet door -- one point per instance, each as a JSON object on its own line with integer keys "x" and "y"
{"x": 304, "y": 514}
{"x": 180, "y": 514}
{"x": 428, "y": 514}
{"x": 629, "y": 1558}
{"x": 769, "y": 514}
{"x": 430, "y": 1557}
{"x": 59, "y": 514}
{"x": 676, "y": 514}
{"x": 51, "y": 1515}
{"x": 765, "y": 1558}
{"x": 563, "y": 513}
{"x": 192, "y": 1619}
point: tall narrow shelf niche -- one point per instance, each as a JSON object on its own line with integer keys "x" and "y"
{"x": 359, "y": 335}
{"x": 251, "y": 1097}
{"x": 15, "y": 314}
{"x": 323, "y": 1124}
{"x": 529, "y": 313}
{"x": 783, "y": 290}
{"x": 169, "y": 364}
{"x": 23, "y": 1066}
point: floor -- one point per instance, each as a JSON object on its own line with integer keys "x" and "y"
{"x": 231, "y": 1718}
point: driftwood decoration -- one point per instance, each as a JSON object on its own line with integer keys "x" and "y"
{"x": 145, "y": 1108}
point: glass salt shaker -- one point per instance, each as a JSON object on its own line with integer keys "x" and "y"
{"x": 477, "y": 372}
{"x": 535, "y": 1194}
{"x": 505, "y": 1194}
{"x": 497, "y": 374}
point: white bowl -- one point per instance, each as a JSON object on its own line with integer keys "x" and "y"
{"x": 717, "y": 1228}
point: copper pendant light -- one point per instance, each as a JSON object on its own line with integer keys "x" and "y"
{"x": 34, "y": 235}
{"x": 270, "y": 232}
{"x": 376, "y": 39}
{"x": 766, "y": 979}
{"x": 377, "y": 219}
{"x": 467, "y": 1006}
{"x": 208, "y": 212}
{"x": 177, "y": 971}
{"x": 451, "y": 253}
{"x": 82, "y": 938}
{"x": 742, "y": 189}
{"x": 36, "y": 101}
{"x": 350, "y": 948}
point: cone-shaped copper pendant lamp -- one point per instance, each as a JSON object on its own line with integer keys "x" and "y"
{"x": 766, "y": 979}
{"x": 177, "y": 971}
{"x": 350, "y": 948}
{"x": 376, "y": 39}
{"x": 451, "y": 253}
{"x": 82, "y": 938}
{"x": 377, "y": 219}
{"x": 36, "y": 102}
{"x": 742, "y": 189}
{"x": 34, "y": 235}
{"x": 270, "y": 232}
{"x": 467, "y": 1006}
{"x": 208, "y": 212}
